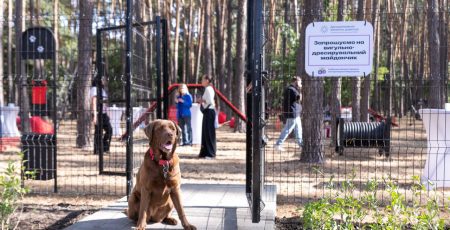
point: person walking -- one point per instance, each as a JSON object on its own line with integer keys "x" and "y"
{"x": 291, "y": 113}
{"x": 208, "y": 145}
{"x": 184, "y": 104}
{"x": 105, "y": 122}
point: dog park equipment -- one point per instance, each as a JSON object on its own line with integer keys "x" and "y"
{"x": 196, "y": 123}
{"x": 38, "y": 43}
{"x": 115, "y": 115}
{"x": 363, "y": 135}
{"x": 437, "y": 126}
{"x": 8, "y": 115}
{"x": 40, "y": 153}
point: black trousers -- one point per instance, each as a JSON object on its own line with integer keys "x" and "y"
{"x": 107, "y": 128}
{"x": 208, "y": 148}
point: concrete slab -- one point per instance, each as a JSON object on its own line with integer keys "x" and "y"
{"x": 207, "y": 206}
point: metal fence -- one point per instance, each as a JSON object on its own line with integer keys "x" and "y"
{"x": 50, "y": 108}
{"x": 398, "y": 143}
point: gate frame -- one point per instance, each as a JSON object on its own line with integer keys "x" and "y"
{"x": 254, "y": 185}
{"x": 161, "y": 72}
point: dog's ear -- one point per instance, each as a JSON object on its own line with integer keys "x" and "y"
{"x": 148, "y": 130}
{"x": 177, "y": 128}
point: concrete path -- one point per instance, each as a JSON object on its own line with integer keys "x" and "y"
{"x": 207, "y": 206}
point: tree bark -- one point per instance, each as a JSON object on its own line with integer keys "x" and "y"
{"x": 2, "y": 8}
{"x": 434, "y": 55}
{"x": 56, "y": 33}
{"x": 187, "y": 44}
{"x": 404, "y": 65}
{"x": 312, "y": 121}
{"x": 229, "y": 53}
{"x": 376, "y": 21}
{"x": 84, "y": 72}
{"x": 10, "y": 63}
{"x": 20, "y": 69}
{"x": 335, "y": 103}
{"x": 240, "y": 61}
{"x": 177, "y": 40}
{"x": 389, "y": 60}
{"x": 207, "y": 60}
{"x": 356, "y": 81}
{"x": 443, "y": 24}
{"x": 200, "y": 43}
{"x": 365, "y": 96}
{"x": 422, "y": 55}
{"x": 221, "y": 8}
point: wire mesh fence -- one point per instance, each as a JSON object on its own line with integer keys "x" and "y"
{"x": 397, "y": 140}
{"x": 399, "y": 87}
{"x": 72, "y": 115}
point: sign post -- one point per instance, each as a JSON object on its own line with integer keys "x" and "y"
{"x": 338, "y": 49}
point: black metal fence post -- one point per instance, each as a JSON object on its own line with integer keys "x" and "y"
{"x": 248, "y": 109}
{"x": 129, "y": 108}
{"x": 158, "y": 68}
{"x": 255, "y": 9}
{"x": 165, "y": 53}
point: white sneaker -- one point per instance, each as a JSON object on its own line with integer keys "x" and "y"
{"x": 279, "y": 148}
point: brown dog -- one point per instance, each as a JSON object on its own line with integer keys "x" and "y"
{"x": 158, "y": 180}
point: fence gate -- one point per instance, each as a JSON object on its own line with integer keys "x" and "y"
{"x": 138, "y": 96}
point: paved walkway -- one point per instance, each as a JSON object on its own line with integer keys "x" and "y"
{"x": 207, "y": 206}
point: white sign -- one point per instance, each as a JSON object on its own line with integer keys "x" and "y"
{"x": 338, "y": 49}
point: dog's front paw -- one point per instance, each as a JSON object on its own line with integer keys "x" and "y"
{"x": 170, "y": 221}
{"x": 189, "y": 227}
{"x": 141, "y": 227}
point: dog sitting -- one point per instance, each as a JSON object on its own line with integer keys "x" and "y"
{"x": 157, "y": 190}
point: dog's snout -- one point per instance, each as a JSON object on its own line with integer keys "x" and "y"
{"x": 170, "y": 134}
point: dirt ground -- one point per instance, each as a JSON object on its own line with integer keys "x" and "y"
{"x": 82, "y": 189}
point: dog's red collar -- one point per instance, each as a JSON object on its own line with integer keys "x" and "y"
{"x": 160, "y": 162}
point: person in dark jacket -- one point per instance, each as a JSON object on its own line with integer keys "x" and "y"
{"x": 105, "y": 124}
{"x": 291, "y": 113}
{"x": 184, "y": 104}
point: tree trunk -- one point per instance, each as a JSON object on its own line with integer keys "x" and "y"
{"x": 443, "y": 24}
{"x": 434, "y": 55}
{"x": 376, "y": 21}
{"x": 365, "y": 96}
{"x": 168, "y": 15}
{"x": 177, "y": 40}
{"x": 335, "y": 103}
{"x": 207, "y": 60}
{"x": 229, "y": 53}
{"x": 422, "y": 55}
{"x": 356, "y": 81}
{"x": 221, "y": 44}
{"x": 24, "y": 102}
{"x": 84, "y": 72}
{"x": 200, "y": 43}
{"x": 240, "y": 82}
{"x": 10, "y": 63}
{"x": 187, "y": 44}
{"x": 56, "y": 33}
{"x": 312, "y": 121}
{"x": 404, "y": 59}
{"x": 212, "y": 37}
{"x": 2, "y": 7}
{"x": 296, "y": 17}
{"x": 390, "y": 58}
